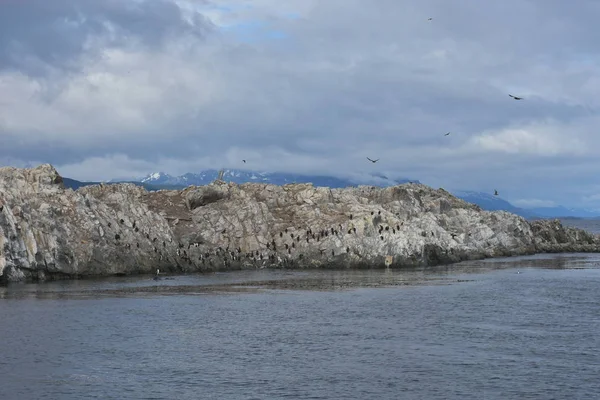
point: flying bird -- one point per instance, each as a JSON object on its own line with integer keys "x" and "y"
{"x": 429, "y": 19}
{"x": 373, "y": 161}
{"x": 515, "y": 97}
{"x": 447, "y": 134}
{"x": 495, "y": 192}
{"x": 244, "y": 161}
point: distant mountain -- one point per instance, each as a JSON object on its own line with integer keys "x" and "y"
{"x": 490, "y": 202}
{"x": 560, "y": 211}
{"x": 276, "y": 178}
{"x": 487, "y": 201}
{"x": 75, "y": 184}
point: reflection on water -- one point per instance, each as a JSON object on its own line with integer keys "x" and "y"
{"x": 261, "y": 280}
{"x": 516, "y": 328}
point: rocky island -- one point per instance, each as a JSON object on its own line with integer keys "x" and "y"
{"x": 50, "y": 232}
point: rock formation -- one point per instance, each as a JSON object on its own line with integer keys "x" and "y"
{"x": 49, "y": 232}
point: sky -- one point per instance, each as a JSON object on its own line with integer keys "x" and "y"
{"x": 106, "y": 89}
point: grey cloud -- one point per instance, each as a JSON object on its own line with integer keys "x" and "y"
{"x": 353, "y": 79}
{"x": 37, "y": 33}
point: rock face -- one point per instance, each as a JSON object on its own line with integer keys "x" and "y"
{"x": 49, "y": 232}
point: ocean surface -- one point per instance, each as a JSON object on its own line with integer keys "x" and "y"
{"x": 513, "y": 328}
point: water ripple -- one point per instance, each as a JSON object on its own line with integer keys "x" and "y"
{"x": 472, "y": 331}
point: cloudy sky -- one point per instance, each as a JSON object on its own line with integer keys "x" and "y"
{"x": 117, "y": 88}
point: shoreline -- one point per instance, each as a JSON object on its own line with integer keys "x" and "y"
{"x": 290, "y": 268}
{"x": 269, "y": 281}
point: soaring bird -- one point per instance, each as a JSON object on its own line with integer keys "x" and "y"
{"x": 429, "y": 19}
{"x": 373, "y": 161}
{"x": 447, "y": 134}
{"x": 495, "y": 192}
{"x": 515, "y": 97}
{"x": 244, "y": 161}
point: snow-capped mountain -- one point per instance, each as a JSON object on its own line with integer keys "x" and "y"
{"x": 277, "y": 178}
{"x": 157, "y": 177}
{"x": 487, "y": 201}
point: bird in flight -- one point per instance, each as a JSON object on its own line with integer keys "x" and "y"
{"x": 447, "y": 134}
{"x": 373, "y": 161}
{"x": 495, "y": 192}
{"x": 244, "y": 161}
{"x": 515, "y": 97}
{"x": 429, "y": 19}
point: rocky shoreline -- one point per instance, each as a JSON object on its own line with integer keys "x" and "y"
{"x": 49, "y": 232}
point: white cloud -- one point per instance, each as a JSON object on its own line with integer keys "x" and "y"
{"x": 122, "y": 93}
{"x": 593, "y": 198}
{"x": 162, "y": 86}
{"x": 538, "y": 139}
{"x": 533, "y": 203}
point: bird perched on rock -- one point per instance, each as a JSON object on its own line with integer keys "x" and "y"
{"x": 495, "y": 192}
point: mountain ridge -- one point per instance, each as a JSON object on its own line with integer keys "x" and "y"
{"x": 278, "y": 178}
{"x": 161, "y": 180}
